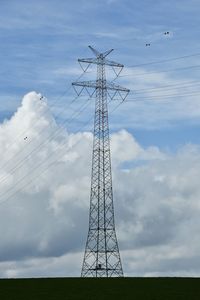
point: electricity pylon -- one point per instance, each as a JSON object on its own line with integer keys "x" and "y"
{"x": 101, "y": 258}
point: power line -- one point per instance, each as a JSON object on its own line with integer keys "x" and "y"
{"x": 150, "y": 97}
{"x": 51, "y": 136}
{"x": 162, "y": 72}
{"x": 42, "y": 162}
{"x": 44, "y": 170}
{"x": 158, "y": 72}
{"x": 165, "y": 60}
{"x": 22, "y": 134}
{"x": 184, "y": 84}
{"x": 48, "y": 108}
{"x": 163, "y": 97}
{"x": 30, "y": 141}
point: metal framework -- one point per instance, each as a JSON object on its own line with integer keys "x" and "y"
{"x": 101, "y": 258}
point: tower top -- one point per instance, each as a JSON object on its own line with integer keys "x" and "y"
{"x": 100, "y": 59}
{"x": 98, "y": 54}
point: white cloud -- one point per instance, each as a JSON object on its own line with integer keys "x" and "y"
{"x": 158, "y": 100}
{"x": 44, "y": 218}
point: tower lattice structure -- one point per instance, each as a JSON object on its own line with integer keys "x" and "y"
{"x": 102, "y": 257}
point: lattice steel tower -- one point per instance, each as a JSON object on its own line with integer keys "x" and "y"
{"x": 101, "y": 258}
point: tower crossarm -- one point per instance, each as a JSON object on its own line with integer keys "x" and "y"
{"x": 97, "y": 61}
{"x": 97, "y": 84}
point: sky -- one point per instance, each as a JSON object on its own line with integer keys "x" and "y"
{"x": 46, "y": 134}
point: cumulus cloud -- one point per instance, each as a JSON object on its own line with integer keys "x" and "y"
{"x": 45, "y": 187}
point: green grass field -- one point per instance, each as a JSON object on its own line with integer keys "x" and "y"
{"x": 95, "y": 289}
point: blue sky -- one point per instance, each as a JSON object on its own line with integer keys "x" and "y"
{"x": 41, "y": 41}
{"x": 155, "y": 134}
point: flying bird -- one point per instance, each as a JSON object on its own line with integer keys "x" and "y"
{"x": 25, "y": 138}
{"x": 147, "y": 45}
{"x": 166, "y": 32}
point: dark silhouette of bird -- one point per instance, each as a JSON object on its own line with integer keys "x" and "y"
{"x": 166, "y": 32}
{"x": 147, "y": 45}
{"x": 41, "y": 97}
{"x": 25, "y": 138}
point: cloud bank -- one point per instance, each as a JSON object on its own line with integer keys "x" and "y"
{"x": 45, "y": 186}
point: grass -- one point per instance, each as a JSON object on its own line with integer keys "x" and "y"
{"x": 95, "y": 289}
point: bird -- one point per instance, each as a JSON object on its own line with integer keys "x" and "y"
{"x": 25, "y": 138}
{"x": 166, "y": 32}
{"x": 147, "y": 45}
{"x": 41, "y": 97}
